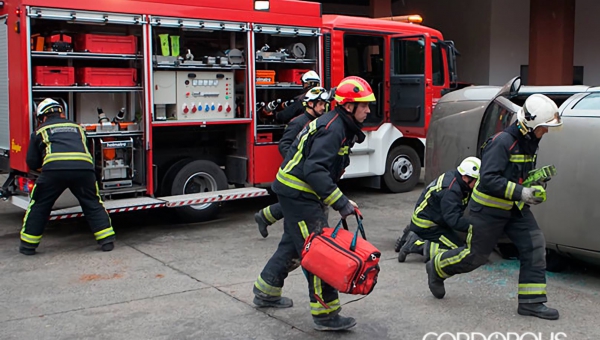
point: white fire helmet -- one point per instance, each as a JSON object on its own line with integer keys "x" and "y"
{"x": 312, "y": 78}
{"x": 47, "y": 106}
{"x": 316, "y": 93}
{"x": 470, "y": 167}
{"x": 538, "y": 110}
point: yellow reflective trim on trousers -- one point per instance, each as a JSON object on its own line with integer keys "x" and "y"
{"x": 266, "y": 288}
{"x": 334, "y": 197}
{"x": 447, "y": 242}
{"x": 510, "y": 190}
{"x": 522, "y": 158}
{"x": 422, "y": 223}
{"x": 490, "y": 201}
{"x": 303, "y": 229}
{"x": 317, "y": 309}
{"x": 104, "y": 233}
{"x": 68, "y": 156}
{"x": 441, "y": 264}
{"x": 318, "y": 287}
{"x": 31, "y": 203}
{"x": 532, "y": 288}
{"x": 343, "y": 151}
{"x": 30, "y": 238}
{"x": 433, "y": 249}
{"x": 268, "y": 215}
{"x": 294, "y": 182}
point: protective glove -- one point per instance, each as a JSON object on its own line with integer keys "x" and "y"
{"x": 353, "y": 203}
{"x": 347, "y": 210}
{"x": 528, "y": 196}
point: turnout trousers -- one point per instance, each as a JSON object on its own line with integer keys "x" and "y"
{"x": 302, "y": 217}
{"x": 274, "y": 213}
{"x": 487, "y": 226}
{"x": 440, "y": 239}
{"x": 48, "y": 187}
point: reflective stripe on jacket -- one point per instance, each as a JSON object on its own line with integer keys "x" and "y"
{"x": 507, "y": 158}
{"x": 59, "y": 144}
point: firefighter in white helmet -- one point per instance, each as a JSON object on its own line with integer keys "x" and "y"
{"x": 309, "y": 80}
{"x": 439, "y": 213}
{"x": 58, "y": 149}
{"x": 500, "y": 204}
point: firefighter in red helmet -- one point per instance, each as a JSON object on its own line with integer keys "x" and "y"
{"x": 306, "y": 180}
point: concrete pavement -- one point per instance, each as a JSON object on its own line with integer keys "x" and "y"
{"x": 166, "y": 280}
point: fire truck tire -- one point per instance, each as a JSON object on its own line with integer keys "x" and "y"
{"x": 195, "y": 177}
{"x": 167, "y": 180}
{"x": 402, "y": 169}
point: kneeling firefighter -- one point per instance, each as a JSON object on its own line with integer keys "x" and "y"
{"x": 439, "y": 212}
{"x": 307, "y": 178}
{"x": 500, "y": 204}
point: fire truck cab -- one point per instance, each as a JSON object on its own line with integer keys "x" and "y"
{"x": 178, "y": 97}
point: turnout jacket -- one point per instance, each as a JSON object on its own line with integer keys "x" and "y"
{"x": 317, "y": 159}
{"x": 292, "y": 130}
{"x": 59, "y": 144}
{"x": 443, "y": 203}
{"x": 507, "y": 158}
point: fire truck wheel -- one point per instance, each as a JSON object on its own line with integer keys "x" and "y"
{"x": 196, "y": 177}
{"x": 402, "y": 169}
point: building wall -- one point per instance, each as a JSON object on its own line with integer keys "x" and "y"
{"x": 509, "y": 39}
{"x": 587, "y": 46}
{"x": 493, "y": 35}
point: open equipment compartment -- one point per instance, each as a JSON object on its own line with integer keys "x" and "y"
{"x": 199, "y": 70}
{"x": 282, "y": 56}
{"x": 92, "y": 63}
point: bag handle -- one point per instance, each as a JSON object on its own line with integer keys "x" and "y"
{"x": 344, "y": 223}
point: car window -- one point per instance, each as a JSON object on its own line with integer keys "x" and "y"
{"x": 591, "y": 102}
{"x": 495, "y": 119}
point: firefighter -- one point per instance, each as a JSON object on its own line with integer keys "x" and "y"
{"x": 314, "y": 104}
{"x": 309, "y": 80}
{"x": 499, "y": 203}
{"x": 58, "y": 148}
{"x": 307, "y": 177}
{"x": 439, "y": 211}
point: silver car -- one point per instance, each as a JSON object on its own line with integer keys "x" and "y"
{"x": 464, "y": 119}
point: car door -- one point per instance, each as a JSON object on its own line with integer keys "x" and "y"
{"x": 569, "y": 217}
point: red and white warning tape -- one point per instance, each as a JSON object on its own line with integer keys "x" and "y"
{"x": 216, "y": 199}
{"x": 110, "y": 211}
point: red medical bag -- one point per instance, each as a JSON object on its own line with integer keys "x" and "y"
{"x": 343, "y": 260}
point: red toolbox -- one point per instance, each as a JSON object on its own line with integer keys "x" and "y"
{"x": 293, "y": 75}
{"x": 102, "y": 76}
{"x": 102, "y": 43}
{"x": 53, "y": 76}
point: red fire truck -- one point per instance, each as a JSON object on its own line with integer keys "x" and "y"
{"x": 178, "y": 96}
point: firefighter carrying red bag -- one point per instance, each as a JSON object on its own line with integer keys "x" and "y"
{"x": 352, "y": 264}
{"x": 305, "y": 181}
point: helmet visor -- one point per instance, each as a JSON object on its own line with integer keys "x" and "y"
{"x": 554, "y": 122}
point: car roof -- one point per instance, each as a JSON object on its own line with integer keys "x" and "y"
{"x": 488, "y": 92}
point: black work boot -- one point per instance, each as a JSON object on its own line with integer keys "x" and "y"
{"x": 262, "y": 223}
{"x": 336, "y": 323}
{"x": 26, "y": 251}
{"x": 411, "y": 246}
{"x": 108, "y": 246}
{"x": 263, "y": 300}
{"x": 436, "y": 283}
{"x": 539, "y": 310}
{"x": 402, "y": 239}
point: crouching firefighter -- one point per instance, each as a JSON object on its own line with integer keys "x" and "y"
{"x": 307, "y": 177}
{"x": 439, "y": 212}
{"x": 500, "y": 203}
{"x": 314, "y": 101}
{"x": 59, "y": 148}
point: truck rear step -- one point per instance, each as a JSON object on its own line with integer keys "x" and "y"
{"x": 142, "y": 203}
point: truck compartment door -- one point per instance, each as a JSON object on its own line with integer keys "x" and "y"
{"x": 407, "y": 81}
{"x": 4, "y": 123}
